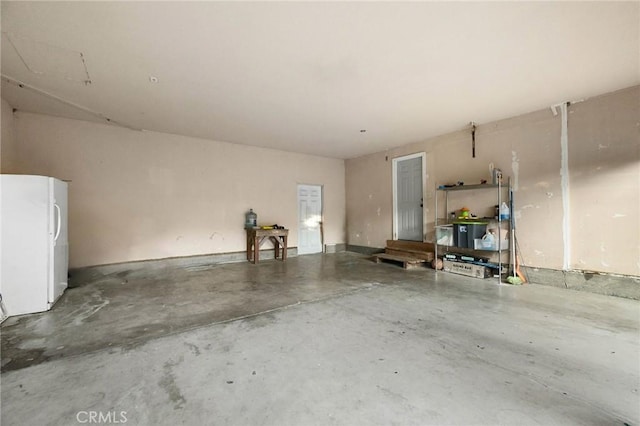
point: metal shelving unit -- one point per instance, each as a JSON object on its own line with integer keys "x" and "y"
{"x": 442, "y": 221}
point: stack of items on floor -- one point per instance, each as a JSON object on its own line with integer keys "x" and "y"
{"x": 469, "y": 265}
{"x": 411, "y": 254}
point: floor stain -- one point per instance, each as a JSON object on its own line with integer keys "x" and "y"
{"x": 168, "y": 383}
{"x": 195, "y": 349}
{"x": 98, "y": 312}
{"x": 260, "y": 321}
{"x": 27, "y": 358}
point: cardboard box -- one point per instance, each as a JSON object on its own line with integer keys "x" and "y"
{"x": 467, "y": 269}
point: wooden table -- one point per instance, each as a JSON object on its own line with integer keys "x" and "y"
{"x": 255, "y": 238}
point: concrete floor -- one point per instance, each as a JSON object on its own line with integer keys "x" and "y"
{"x": 321, "y": 339}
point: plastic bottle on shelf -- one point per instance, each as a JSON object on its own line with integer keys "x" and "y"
{"x": 489, "y": 241}
{"x": 504, "y": 211}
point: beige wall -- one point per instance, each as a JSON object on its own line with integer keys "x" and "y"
{"x": 604, "y": 162}
{"x": 143, "y": 195}
{"x": 8, "y": 147}
{"x": 603, "y": 190}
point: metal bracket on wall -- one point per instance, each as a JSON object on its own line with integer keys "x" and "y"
{"x": 473, "y": 139}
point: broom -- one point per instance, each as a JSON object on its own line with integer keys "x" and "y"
{"x": 518, "y": 277}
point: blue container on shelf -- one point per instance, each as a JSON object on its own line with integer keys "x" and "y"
{"x": 504, "y": 211}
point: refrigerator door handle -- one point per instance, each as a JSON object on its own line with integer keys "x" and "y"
{"x": 59, "y": 222}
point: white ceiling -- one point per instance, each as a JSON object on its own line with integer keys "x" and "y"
{"x": 307, "y": 77}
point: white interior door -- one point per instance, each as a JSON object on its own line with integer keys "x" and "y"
{"x": 408, "y": 197}
{"x": 309, "y": 218}
{"x": 59, "y": 262}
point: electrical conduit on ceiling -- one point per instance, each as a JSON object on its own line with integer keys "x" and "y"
{"x": 22, "y": 85}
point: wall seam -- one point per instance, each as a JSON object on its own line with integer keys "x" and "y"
{"x": 564, "y": 175}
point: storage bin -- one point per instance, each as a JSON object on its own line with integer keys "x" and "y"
{"x": 480, "y": 244}
{"x": 444, "y": 235}
{"x": 465, "y": 233}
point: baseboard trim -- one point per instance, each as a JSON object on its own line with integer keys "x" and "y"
{"x": 626, "y": 286}
{"x": 335, "y": 248}
{"x": 364, "y": 249}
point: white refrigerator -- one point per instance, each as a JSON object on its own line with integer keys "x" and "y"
{"x": 34, "y": 247}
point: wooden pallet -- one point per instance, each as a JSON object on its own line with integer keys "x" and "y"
{"x": 410, "y": 245}
{"x": 408, "y": 262}
{"x": 416, "y": 249}
{"x": 424, "y": 255}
